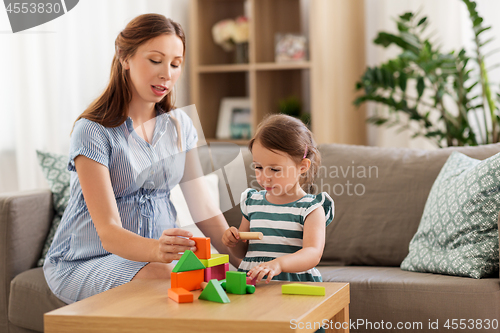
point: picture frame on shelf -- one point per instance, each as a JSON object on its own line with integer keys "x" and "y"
{"x": 234, "y": 121}
{"x": 290, "y": 47}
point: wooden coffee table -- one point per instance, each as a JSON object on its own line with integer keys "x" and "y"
{"x": 143, "y": 306}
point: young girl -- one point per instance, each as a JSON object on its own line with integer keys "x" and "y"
{"x": 128, "y": 149}
{"x": 292, "y": 220}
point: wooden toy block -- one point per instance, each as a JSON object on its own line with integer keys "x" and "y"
{"x": 180, "y": 295}
{"x": 190, "y": 280}
{"x": 236, "y": 283}
{"x": 302, "y": 289}
{"x": 251, "y": 235}
{"x": 251, "y": 281}
{"x": 221, "y": 282}
{"x": 250, "y": 289}
{"x": 214, "y": 292}
{"x": 202, "y": 247}
{"x": 216, "y": 259}
{"x": 188, "y": 262}
{"x": 216, "y": 272}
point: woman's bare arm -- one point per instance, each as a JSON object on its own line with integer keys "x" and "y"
{"x": 203, "y": 208}
{"x": 101, "y": 203}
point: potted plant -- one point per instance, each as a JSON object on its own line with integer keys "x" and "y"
{"x": 436, "y": 76}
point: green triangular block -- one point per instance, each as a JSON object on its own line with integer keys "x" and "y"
{"x": 214, "y": 292}
{"x": 188, "y": 262}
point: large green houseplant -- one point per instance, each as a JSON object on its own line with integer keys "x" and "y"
{"x": 436, "y": 76}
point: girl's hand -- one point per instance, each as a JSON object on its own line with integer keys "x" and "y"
{"x": 231, "y": 237}
{"x": 270, "y": 268}
{"x": 172, "y": 242}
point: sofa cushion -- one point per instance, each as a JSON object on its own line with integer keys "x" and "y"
{"x": 458, "y": 233}
{"x": 31, "y": 288}
{"x": 58, "y": 177}
{"x": 379, "y": 196}
{"x": 393, "y": 295}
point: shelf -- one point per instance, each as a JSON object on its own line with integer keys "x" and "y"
{"x": 282, "y": 65}
{"x": 270, "y": 18}
{"x": 214, "y": 75}
{"x": 323, "y": 83}
{"x": 213, "y": 87}
{"x": 273, "y": 86}
{"x": 211, "y": 12}
{"x": 223, "y": 68}
{"x": 260, "y": 67}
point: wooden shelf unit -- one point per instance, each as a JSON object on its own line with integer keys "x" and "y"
{"x": 213, "y": 75}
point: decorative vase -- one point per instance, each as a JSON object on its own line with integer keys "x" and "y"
{"x": 241, "y": 53}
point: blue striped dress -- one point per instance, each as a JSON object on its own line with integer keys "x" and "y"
{"x": 142, "y": 174}
{"x": 282, "y": 226}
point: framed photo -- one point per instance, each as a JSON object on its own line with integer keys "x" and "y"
{"x": 290, "y": 47}
{"x": 234, "y": 120}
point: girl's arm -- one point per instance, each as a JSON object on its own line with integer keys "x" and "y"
{"x": 100, "y": 200}
{"x": 305, "y": 258}
{"x": 231, "y": 237}
{"x": 202, "y": 206}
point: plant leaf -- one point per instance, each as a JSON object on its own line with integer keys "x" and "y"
{"x": 420, "y": 86}
{"x": 422, "y": 20}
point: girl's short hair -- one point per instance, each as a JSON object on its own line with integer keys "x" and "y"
{"x": 282, "y": 133}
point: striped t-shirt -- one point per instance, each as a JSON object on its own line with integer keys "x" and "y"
{"x": 282, "y": 227}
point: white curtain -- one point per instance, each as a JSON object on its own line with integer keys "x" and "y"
{"x": 453, "y": 30}
{"x": 49, "y": 74}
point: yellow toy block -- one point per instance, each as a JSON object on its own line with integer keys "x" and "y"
{"x": 216, "y": 259}
{"x": 302, "y": 289}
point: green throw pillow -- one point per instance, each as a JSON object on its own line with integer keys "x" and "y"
{"x": 54, "y": 167}
{"x": 458, "y": 232}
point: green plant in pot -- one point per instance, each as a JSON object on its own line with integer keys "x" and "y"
{"x": 293, "y": 107}
{"x": 451, "y": 90}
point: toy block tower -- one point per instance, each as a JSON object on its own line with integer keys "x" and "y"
{"x": 187, "y": 274}
{"x": 216, "y": 265}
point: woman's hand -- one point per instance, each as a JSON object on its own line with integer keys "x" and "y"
{"x": 231, "y": 237}
{"x": 172, "y": 242}
{"x": 270, "y": 268}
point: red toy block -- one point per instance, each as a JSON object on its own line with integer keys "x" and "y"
{"x": 251, "y": 281}
{"x": 202, "y": 247}
{"x": 216, "y": 272}
{"x": 180, "y": 295}
{"x": 190, "y": 280}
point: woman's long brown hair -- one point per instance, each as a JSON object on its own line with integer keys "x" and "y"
{"x": 111, "y": 108}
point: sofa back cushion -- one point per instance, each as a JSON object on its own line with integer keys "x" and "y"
{"x": 379, "y": 195}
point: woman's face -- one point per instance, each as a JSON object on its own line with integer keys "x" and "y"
{"x": 155, "y": 67}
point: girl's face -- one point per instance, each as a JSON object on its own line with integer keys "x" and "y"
{"x": 155, "y": 68}
{"x": 277, "y": 172}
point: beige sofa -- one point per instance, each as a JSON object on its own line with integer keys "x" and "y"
{"x": 378, "y": 209}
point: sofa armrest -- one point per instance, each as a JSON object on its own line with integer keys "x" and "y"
{"x": 25, "y": 219}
